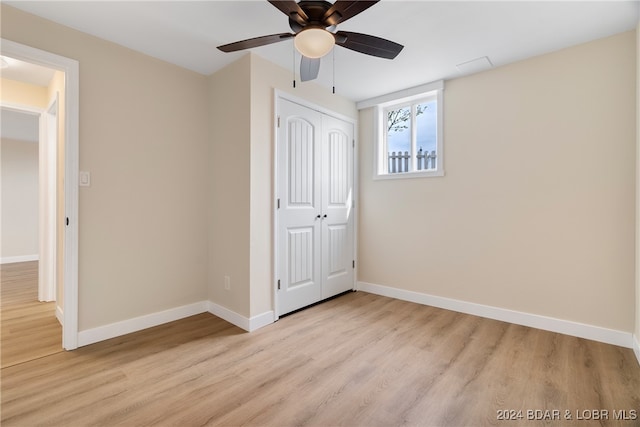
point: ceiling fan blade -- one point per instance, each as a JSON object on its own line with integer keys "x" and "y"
{"x": 255, "y": 42}
{"x": 370, "y": 45}
{"x": 291, "y": 9}
{"x": 343, "y": 10}
{"x": 309, "y": 68}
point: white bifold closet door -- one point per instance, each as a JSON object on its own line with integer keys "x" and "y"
{"x": 315, "y": 215}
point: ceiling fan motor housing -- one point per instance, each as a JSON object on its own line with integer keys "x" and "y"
{"x": 315, "y": 11}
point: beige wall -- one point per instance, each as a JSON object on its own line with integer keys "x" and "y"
{"x": 23, "y": 94}
{"x": 143, "y": 137}
{"x": 229, "y": 97}
{"x": 536, "y": 211}
{"x": 19, "y": 170}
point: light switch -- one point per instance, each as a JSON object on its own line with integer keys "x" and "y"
{"x": 85, "y": 179}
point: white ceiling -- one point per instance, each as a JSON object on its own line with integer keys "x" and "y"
{"x": 437, "y": 35}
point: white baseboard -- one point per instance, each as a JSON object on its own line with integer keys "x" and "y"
{"x": 124, "y": 327}
{"x": 101, "y": 333}
{"x": 21, "y": 258}
{"x": 264, "y": 319}
{"x": 248, "y": 324}
{"x": 636, "y": 347}
{"x": 581, "y": 330}
{"x": 59, "y": 314}
{"x": 230, "y": 316}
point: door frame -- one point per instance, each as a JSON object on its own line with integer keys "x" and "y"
{"x": 48, "y": 214}
{"x": 277, "y": 96}
{"x": 70, "y": 67}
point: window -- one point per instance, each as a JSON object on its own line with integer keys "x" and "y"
{"x": 409, "y": 134}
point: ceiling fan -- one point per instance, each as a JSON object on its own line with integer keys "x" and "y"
{"x": 314, "y": 25}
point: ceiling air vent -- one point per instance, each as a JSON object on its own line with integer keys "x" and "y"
{"x": 475, "y": 65}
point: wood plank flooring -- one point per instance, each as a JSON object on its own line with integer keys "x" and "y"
{"x": 29, "y": 328}
{"x": 358, "y": 360}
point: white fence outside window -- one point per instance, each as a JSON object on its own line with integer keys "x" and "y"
{"x": 399, "y": 161}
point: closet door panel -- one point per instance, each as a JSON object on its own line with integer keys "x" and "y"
{"x": 337, "y": 204}
{"x": 299, "y": 224}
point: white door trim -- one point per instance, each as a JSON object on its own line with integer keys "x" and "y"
{"x": 48, "y": 199}
{"x": 277, "y": 95}
{"x": 70, "y": 67}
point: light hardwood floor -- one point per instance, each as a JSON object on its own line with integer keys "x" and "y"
{"x": 29, "y": 328}
{"x": 358, "y": 360}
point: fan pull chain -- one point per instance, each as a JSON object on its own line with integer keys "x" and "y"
{"x": 334, "y": 70}
{"x": 293, "y": 65}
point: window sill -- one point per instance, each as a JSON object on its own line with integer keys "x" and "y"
{"x": 409, "y": 175}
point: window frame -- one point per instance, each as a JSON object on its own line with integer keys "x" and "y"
{"x": 394, "y": 101}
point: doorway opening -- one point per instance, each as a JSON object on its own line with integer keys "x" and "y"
{"x": 59, "y": 120}
{"x": 31, "y": 316}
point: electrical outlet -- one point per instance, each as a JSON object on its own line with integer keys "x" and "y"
{"x": 227, "y": 283}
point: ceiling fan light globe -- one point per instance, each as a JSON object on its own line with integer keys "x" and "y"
{"x": 314, "y": 42}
